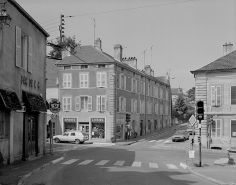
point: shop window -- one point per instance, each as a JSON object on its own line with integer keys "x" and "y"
{"x": 4, "y": 123}
{"x": 98, "y": 130}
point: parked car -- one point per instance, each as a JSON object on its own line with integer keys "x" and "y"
{"x": 190, "y": 131}
{"x": 180, "y": 135}
{"x": 72, "y": 136}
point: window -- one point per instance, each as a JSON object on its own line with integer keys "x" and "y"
{"x": 149, "y": 107}
{"x": 101, "y": 79}
{"x": 149, "y": 90}
{"x": 83, "y": 80}
{"x": 142, "y": 107}
{"x": 216, "y": 128}
{"x": 101, "y": 66}
{"x": 122, "y": 81}
{"x": 67, "y": 67}
{"x": 233, "y": 95}
{"x": 134, "y": 106}
{"x": 101, "y": 103}
{"x": 156, "y": 108}
{"x": 134, "y": 85}
{"x": 215, "y": 95}
{"x": 166, "y": 109}
{"x": 122, "y": 104}
{"x": 167, "y": 94}
{"x": 66, "y": 80}
{"x": 83, "y": 103}
{"x": 72, "y": 134}
{"x": 24, "y": 50}
{"x": 233, "y": 128}
{"x": 66, "y": 103}
{"x": 84, "y": 66}
{"x": 161, "y": 93}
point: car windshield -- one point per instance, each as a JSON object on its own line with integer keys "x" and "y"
{"x": 179, "y": 132}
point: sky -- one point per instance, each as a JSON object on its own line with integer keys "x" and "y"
{"x": 178, "y": 36}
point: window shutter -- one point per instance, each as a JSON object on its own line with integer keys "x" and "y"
{"x": 124, "y": 104}
{"x": 213, "y": 95}
{"x": 86, "y": 80}
{"x": 124, "y": 82}
{"x": 218, "y": 95}
{"x": 119, "y": 104}
{"x": 132, "y": 106}
{"x": 98, "y": 103}
{"x": 233, "y": 95}
{"x": 64, "y": 80}
{"x": 98, "y": 79}
{"x": 18, "y": 46}
{"x": 103, "y": 79}
{"x": 30, "y": 49}
{"x": 69, "y": 103}
{"x": 103, "y": 103}
{"x": 120, "y": 81}
{"x": 132, "y": 84}
{"x": 77, "y": 103}
{"x": 90, "y": 103}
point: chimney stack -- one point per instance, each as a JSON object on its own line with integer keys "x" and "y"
{"x": 147, "y": 69}
{"x": 227, "y": 48}
{"x": 118, "y": 52}
{"x": 98, "y": 44}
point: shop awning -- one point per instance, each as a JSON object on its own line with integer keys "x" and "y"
{"x": 10, "y": 100}
{"x": 34, "y": 102}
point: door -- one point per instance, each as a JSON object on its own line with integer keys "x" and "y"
{"x": 31, "y": 134}
{"x": 85, "y": 129}
{"x": 141, "y": 128}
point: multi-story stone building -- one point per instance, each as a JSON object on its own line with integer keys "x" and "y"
{"x": 98, "y": 90}
{"x": 22, "y": 86}
{"x": 216, "y": 86}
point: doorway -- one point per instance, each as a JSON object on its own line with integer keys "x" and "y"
{"x": 84, "y": 128}
{"x": 32, "y": 135}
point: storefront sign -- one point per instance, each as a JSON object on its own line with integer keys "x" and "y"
{"x": 70, "y": 120}
{"x": 98, "y": 120}
{"x": 29, "y": 82}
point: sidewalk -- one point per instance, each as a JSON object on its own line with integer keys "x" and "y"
{"x": 18, "y": 172}
{"x": 217, "y": 171}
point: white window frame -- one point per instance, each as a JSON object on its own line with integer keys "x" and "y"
{"x": 122, "y": 104}
{"x": 66, "y": 104}
{"x": 231, "y": 128}
{"x": 101, "y": 79}
{"x": 84, "y": 80}
{"x": 67, "y": 80}
{"x": 101, "y": 106}
{"x": 89, "y": 103}
{"x": 134, "y": 106}
{"x": 231, "y": 94}
{"x": 215, "y": 97}
{"x": 134, "y": 85}
{"x": 122, "y": 84}
{"x": 217, "y": 129}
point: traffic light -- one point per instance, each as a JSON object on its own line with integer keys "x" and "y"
{"x": 210, "y": 121}
{"x": 61, "y": 27}
{"x": 199, "y": 139}
{"x": 200, "y": 110}
{"x": 127, "y": 118}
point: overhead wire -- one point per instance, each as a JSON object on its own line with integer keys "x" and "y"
{"x": 52, "y": 27}
{"x": 51, "y": 23}
{"x": 49, "y": 20}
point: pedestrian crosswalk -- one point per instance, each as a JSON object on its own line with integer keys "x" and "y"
{"x": 135, "y": 164}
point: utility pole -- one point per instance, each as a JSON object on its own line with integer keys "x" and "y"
{"x": 94, "y": 25}
{"x": 61, "y": 28}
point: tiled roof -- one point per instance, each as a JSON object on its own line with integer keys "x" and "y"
{"x": 51, "y": 73}
{"x": 86, "y": 54}
{"x": 226, "y": 62}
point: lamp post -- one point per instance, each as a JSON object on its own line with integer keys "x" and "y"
{"x": 5, "y": 19}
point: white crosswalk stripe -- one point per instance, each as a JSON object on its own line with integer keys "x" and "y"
{"x": 70, "y": 161}
{"x": 153, "y": 165}
{"x": 136, "y": 164}
{"x": 85, "y": 162}
{"x": 171, "y": 166}
{"x": 167, "y": 141}
{"x": 119, "y": 163}
{"x": 102, "y": 162}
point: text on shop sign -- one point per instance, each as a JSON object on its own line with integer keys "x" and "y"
{"x": 69, "y": 119}
{"x": 98, "y": 120}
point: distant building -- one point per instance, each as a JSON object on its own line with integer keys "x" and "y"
{"x": 98, "y": 90}
{"x": 216, "y": 86}
{"x": 22, "y": 86}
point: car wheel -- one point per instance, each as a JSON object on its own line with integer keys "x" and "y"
{"x": 173, "y": 140}
{"x": 77, "y": 141}
{"x": 57, "y": 140}
{"x": 81, "y": 142}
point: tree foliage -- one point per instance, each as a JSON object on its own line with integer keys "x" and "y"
{"x": 68, "y": 42}
{"x": 180, "y": 105}
{"x": 191, "y": 94}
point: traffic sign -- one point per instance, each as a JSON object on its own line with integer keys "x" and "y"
{"x": 192, "y": 120}
{"x": 54, "y": 106}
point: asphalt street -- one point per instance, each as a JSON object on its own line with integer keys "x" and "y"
{"x": 151, "y": 161}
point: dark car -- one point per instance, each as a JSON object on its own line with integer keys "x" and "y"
{"x": 180, "y": 135}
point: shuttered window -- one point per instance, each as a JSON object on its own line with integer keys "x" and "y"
{"x": 216, "y": 95}
{"x": 101, "y": 103}
{"x": 216, "y": 128}
{"x": 233, "y": 95}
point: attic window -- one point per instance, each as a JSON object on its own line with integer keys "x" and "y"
{"x": 84, "y": 66}
{"x": 67, "y": 67}
{"x": 122, "y": 69}
{"x": 101, "y": 66}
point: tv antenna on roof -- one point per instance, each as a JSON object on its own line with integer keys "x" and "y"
{"x": 94, "y": 24}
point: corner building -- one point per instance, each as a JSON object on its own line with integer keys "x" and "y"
{"x": 98, "y": 90}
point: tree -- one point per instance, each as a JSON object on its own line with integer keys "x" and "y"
{"x": 68, "y": 42}
{"x": 180, "y": 105}
{"x": 191, "y": 94}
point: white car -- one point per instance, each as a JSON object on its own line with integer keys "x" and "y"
{"x": 71, "y": 136}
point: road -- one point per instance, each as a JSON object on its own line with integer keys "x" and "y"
{"x": 152, "y": 161}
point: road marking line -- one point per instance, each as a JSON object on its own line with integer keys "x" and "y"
{"x": 57, "y": 160}
{"x": 119, "y": 163}
{"x": 153, "y": 165}
{"x": 160, "y": 141}
{"x": 85, "y": 162}
{"x": 136, "y": 164}
{"x": 70, "y": 161}
{"x": 167, "y": 141}
{"x": 102, "y": 162}
{"x": 171, "y": 166}
{"x": 151, "y": 141}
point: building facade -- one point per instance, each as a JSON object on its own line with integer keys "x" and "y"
{"x": 216, "y": 86}
{"x": 22, "y": 86}
{"x": 98, "y": 90}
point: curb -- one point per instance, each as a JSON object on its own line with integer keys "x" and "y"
{"x": 26, "y": 176}
{"x": 182, "y": 164}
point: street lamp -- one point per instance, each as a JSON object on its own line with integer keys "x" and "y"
{"x": 5, "y": 19}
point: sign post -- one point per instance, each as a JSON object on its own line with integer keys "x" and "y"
{"x": 192, "y": 121}
{"x": 54, "y": 107}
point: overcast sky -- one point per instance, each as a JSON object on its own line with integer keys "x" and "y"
{"x": 184, "y": 34}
